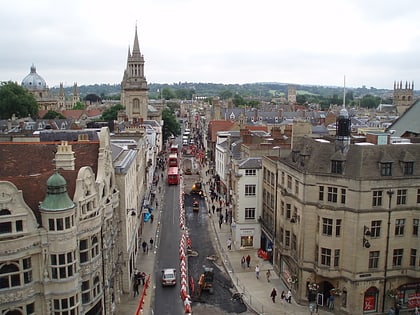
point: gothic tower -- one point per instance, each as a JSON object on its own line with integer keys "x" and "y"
{"x": 134, "y": 90}
{"x": 291, "y": 94}
{"x": 403, "y": 96}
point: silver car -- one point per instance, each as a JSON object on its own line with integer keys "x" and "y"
{"x": 168, "y": 277}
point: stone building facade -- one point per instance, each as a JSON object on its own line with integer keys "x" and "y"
{"x": 403, "y": 96}
{"x": 59, "y": 227}
{"x": 347, "y": 224}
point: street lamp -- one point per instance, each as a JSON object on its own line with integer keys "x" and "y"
{"x": 366, "y": 232}
{"x": 389, "y": 192}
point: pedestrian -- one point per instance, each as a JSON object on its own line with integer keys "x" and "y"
{"x": 268, "y": 275}
{"x": 283, "y": 296}
{"x": 213, "y": 207}
{"x": 220, "y": 223}
{"x": 151, "y": 242}
{"x": 142, "y": 277}
{"x": 397, "y": 309}
{"x": 248, "y": 260}
{"x": 157, "y": 204}
{"x": 416, "y": 311}
{"x": 144, "y": 245}
{"x": 151, "y": 218}
{"x": 289, "y": 296}
{"x": 391, "y": 311}
{"x": 135, "y": 288}
{"x": 229, "y": 244}
{"x": 273, "y": 295}
{"x": 257, "y": 271}
{"x": 331, "y": 302}
{"x": 243, "y": 261}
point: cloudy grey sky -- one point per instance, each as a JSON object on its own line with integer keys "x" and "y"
{"x": 371, "y": 42}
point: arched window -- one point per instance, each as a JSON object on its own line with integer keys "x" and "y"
{"x": 136, "y": 106}
{"x": 370, "y": 300}
{"x": 9, "y": 276}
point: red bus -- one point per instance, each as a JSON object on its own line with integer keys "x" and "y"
{"x": 173, "y": 160}
{"x": 174, "y": 149}
{"x": 173, "y": 176}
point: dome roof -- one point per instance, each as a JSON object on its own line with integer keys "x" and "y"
{"x": 33, "y": 81}
{"x": 57, "y": 198}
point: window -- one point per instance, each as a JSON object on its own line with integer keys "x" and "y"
{"x": 85, "y": 292}
{"x": 15, "y": 273}
{"x": 397, "y": 257}
{"x": 377, "y": 198}
{"x": 62, "y": 265}
{"x": 296, "y": 187}
{"x": 321, "y": 193}
{"x": 282, "y": 178}
{"x": 343, "y": 196}
{"x": 250, "y": 190}
{"x": 338, "y": 227}
{"x": 416, "y": 227}
{"x": 327, "y": 226}
{"x": 249, "y": 213}
{"x": 332, "y": 194}
{"x": 67, "y": 306}
{"x": 287, "y": 239}
{"x": 5, "y": 227}
{"x": 373, "y": 259}
{"x": 413, "y": 257}
{"x": 386, "y": 169}
{"x": 375, "y": 229}
{"x": 408, "y": 168}
{"x": 288, "y": 211}
{"x": 96, "y": 290}
{"x": 325, "y": 256}
{"x": 289, "y": 182}
{"x": 51, "y": 224}
{"x": 401, "y": 196}
{"x": 281, "y": 235}
{"x": 418, "y": 195}
{"x": 282, "y": 207}
{"x": 83, "y": 251}
{"x": 95, "y": 247}
{"x": 337, "y": 167}
{"x": 250, "y": 172}
{"x": 399, "y": 227}
{"x": 336, "y": 257}
{"x": 294, "y": 241}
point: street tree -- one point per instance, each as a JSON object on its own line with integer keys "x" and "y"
{"x": 15, "y": 99}
{"x": 111, "y": 113}
{"x": 171, "y": 125}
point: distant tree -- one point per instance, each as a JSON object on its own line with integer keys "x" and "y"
{"x": 301, "y": 99}
{"x": 253, "y": 103}
{"x": 238, "y": 100}
{"x": 168, "y": 94}
{"x": 171, "y": 125}
{"x": 15, "y": 99}
{"x": 226, "y": 94}
{"x": 111, "y": 113}
{"x": 370, "y": 101}
{"x": 182, "y": 94}
{"x": 53, "y": 115}
{"x": 79, "y": 106}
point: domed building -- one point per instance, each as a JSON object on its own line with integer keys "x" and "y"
{"x": 37, "y": 86}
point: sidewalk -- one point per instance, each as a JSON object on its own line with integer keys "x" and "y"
{"x": 256, "y": 291}
{"x": 146, "y": 263}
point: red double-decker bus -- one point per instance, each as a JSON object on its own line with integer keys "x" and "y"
{"x": 174, "y": 149}
{"x": 173, "y": 176}
{"x": 173, "y": 160}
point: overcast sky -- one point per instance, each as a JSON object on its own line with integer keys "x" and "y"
{"x": 371, "y": 42}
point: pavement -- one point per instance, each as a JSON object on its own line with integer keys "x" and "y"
{"x": 256, "y": 292}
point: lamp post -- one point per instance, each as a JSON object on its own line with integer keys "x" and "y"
{"x": 389, "y": 192}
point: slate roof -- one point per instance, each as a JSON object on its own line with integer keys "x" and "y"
{"x": 409, "y": 121}
{"x": 250, "y": 163}
{"x": 360, "y": 162}
{"x": 29, "y": 165}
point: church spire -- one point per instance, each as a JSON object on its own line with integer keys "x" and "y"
{"x": 136, "y": 46}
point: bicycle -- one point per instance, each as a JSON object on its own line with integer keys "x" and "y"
{"x": 238, "y": 297}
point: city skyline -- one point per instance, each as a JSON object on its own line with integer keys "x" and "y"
{"x": 372, "y": 43}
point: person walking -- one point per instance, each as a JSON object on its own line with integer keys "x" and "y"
{"x": 243, "y": 262}
{"x": 213, "y": 207}
{"x": 151, "y": 218}
{"x": 229, "y": 244}
{"x": 135, "y": 288}
{"x": 151, "y": 242}
{"x": 289, "y": 296}
{"x": 273, "y": 295}
{"x": 283, "y": 296}
{"x": 144, "y": 245}
{"x": 248, "y": 260}
{"x": 268, "y": 275}
{"x": 257, "y": 271}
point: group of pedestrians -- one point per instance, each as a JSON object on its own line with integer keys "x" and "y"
{"x": 138, "y": 278}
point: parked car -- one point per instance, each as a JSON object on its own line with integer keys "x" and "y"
{"x": 168, "y": 277}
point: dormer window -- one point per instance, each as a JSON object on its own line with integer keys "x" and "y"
{"x": 408, "y": 168}
{"x": 386, "y": 168}
{"x": 337, "y": 167}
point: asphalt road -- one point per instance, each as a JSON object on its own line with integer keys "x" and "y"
{"x": 203, "y": 242}
{"x": 167, "y": 299}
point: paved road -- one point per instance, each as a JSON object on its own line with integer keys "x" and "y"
{"x": 167, "y": 300}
